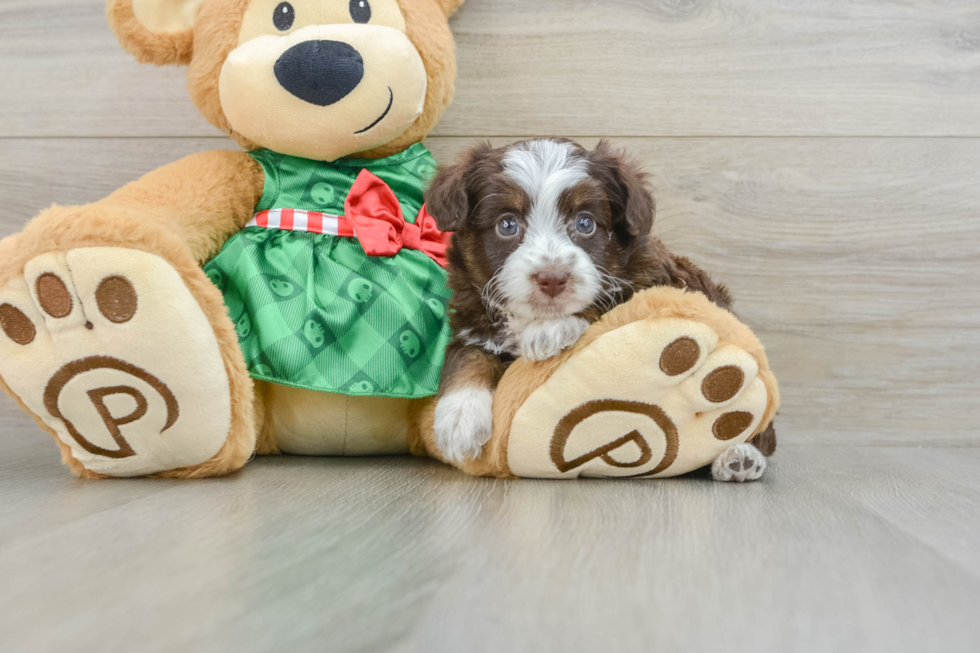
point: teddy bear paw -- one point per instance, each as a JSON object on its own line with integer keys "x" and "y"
{"x": 110, "y": 350}
{"x": 653, "y": 398}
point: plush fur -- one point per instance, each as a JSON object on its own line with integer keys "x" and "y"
{"x": 184, "y": 212}
{"x": 523, "y": 378}
{"x": 171, "y": 48}
{"x": 164, "y": 233}
{"x": 215, "y": 34}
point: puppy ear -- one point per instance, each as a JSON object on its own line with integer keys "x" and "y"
{"x": 449, "y": 7}
{"x": 447, "y": 199}
{"x": 155, "y": 31}
{"x": 632, "y": 204}
{"x": 448, "y": 196}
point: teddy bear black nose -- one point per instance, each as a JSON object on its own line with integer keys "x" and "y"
{"x": 320, "y": 72}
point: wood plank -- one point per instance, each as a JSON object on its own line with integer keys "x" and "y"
{"x": 588, "y": 67}
{"x": 941, "y": 509}
{"x": 854, "y": 259}
{"x": 404, "y": 554}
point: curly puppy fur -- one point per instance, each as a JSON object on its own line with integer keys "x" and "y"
{"x": 546, "y": 208}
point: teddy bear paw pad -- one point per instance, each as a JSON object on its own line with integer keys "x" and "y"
{"x": 678, "y": 400}
{"x": 110, "y": 349}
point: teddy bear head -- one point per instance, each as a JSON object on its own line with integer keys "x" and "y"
{"x": 319, "y": 79}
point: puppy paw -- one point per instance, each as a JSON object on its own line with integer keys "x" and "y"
{"x": 464, "y": 423}
{"x": 740, "y": 463}
{"x": 548, "y": 339}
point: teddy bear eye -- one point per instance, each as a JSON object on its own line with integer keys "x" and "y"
{"x": 284, "y": 16}
{"x": 360, "y": 11}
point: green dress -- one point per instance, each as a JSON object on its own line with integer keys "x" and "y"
{"x": 313, "y": 310}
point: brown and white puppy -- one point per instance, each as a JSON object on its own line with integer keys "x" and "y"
{"x": 548, "y": 237}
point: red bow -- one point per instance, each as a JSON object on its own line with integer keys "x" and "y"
{"x": 380, "y": 227}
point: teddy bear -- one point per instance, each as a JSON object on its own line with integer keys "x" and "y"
{"x": 291, "y": 297}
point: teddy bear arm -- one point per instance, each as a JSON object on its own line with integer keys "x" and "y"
{"x": 203, "y": 198}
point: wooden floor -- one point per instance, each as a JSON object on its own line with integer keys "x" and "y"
{"x": 823, "y": 158}
{"x": 841, "y": 548}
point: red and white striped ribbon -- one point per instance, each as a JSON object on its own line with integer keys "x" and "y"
{"x": 299, "y": 220}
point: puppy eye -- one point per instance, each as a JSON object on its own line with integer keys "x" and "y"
{"x": 584, "y": 224}
{"x": 360, "y": 11}
{"x": 508, "y": 227}
{"x": 284, "y": 16}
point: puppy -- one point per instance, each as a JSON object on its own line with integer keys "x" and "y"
{"x": 547, "y": 237}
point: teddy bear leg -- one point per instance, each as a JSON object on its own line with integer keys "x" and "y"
{"x": 661, "y": 386}
{"x": 310, "y": 423}
{"x": 132, "y": 365}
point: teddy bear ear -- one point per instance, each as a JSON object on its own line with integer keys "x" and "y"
{"x": 155, "y": 31}
{"x": 450, "y": 6}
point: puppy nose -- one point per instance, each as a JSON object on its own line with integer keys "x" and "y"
{"x": 551, "y": 283}
{"x": 320, "y": 72}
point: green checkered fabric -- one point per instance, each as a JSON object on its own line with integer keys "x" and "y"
{"x": 314, "y": 311}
